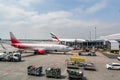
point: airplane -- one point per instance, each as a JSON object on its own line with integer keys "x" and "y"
{"x": 56, "y": 38}
{"x": 39, "y": 48}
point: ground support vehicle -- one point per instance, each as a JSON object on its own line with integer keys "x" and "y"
{"x": 81, "y": 65}
{"x": 53, "y": 72}
{"x": 91, "y": 54}
{"x": 113, "y": 66}
{"x": 74, "y": 72}
{"x": 87, "y": 54}
{"x": 77, "y": 58}
{"x": 74, "y": 64}
{"x": 90, "y": 66}
{"x": 33, "y": 70}
{"x": 118, "y": 58}
{"x": 10, "y": 56}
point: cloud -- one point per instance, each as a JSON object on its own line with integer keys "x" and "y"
{"x": 22, "y": 3}
{"x": 11, "y": 12}
{"x": 50, "y": 18}
{"x": 33, "y": 24}
{"x": 96, "y": 7}
{"x": 90, "y": 6}
{"x": 86, "y": 1}
{"x": 60, "y": 22}
{"x": 28, "y": 2}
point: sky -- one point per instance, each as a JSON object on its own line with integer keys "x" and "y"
{"x": 35, "y": 19}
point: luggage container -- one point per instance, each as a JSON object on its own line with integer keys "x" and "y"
{"x": 53, "y": 72}
{"x": 33, "y": 70}
{"x": 75, "y": 74}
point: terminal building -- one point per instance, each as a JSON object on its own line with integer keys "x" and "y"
{"x": 109, "y": 43}
{"x": 85, "y": 44}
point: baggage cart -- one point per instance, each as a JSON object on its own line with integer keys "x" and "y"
{"x": 33, "y": 70}
{"x": 53, "y": 72}
{"x": 75, "y": 74}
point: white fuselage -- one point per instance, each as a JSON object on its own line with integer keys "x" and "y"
{"x": 46, "y": 47}
{"x": 71, "y": 40}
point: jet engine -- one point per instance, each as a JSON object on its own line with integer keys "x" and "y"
{"x": 39, "y": 51}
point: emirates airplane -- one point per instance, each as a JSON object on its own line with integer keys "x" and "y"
{"x": 65, "y": 40}
{"x": 39, "y": 48}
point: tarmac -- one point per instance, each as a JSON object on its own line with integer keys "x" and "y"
{"x": 18, "y": 70}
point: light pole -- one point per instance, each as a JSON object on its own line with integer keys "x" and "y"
{"x": 95, "y": 33}
{"x": 119, "y": 48}
{"x": 95, "y": 37}
{"x": 90, "y": 35}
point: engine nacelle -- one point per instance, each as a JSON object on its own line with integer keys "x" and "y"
{"x": 40, "y": 51}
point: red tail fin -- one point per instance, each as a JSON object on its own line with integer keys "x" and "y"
{"x": 13, "y": 39}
